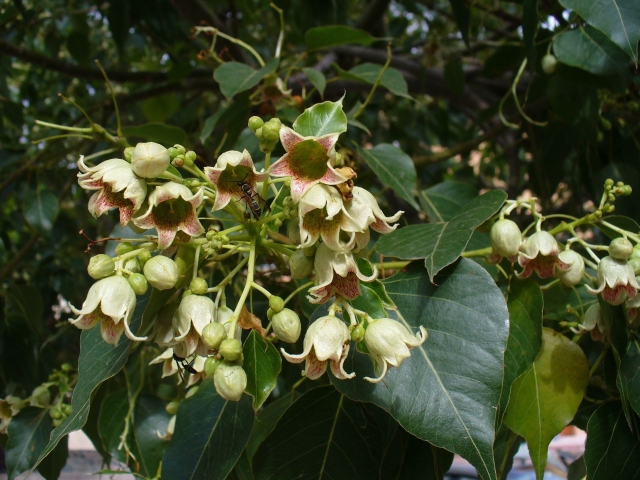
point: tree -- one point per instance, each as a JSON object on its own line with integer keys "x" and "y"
{"x": 270, "y": 146}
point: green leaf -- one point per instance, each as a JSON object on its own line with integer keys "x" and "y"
{"x": 150, "y": 418}
{"x": 322, "y": 435}
{"x": 505, "y": 448}
{"x": 262, "y": 363}
{"x": 26, "y": 302}
{"x": 317, "y": 79}
{"x": 546, "y": 397}
{"x": 629, "y": 369}
{"x": 423, "y": 460}
{"x": 454, "y": 76}
{"x": 577, "y": 470}
{"x": 53, "y": 464}
{"x": 370, "y": 302}
{"x": 159, "y": 109}
{"x": 462, "y": 14}
{"x": 440, "y": 244}
{"x": 530, "y": 24}
{"x": 111, "y": 423}
{"x": 40, "y": 209}
{"x": 590, "y": 50}
{"x": 210, "y": 435}
{"x": 28, "y": 434}
{"x": 321, "y": 119}
{"x": 621, "y": 221}
{"x": 392, "y": 79}
{"x": 98, "y": 361}
{"x": 445, "y": 200}
{"x": 394, "y": 168}
{"x": 210, "y": 124}
{"x": 611, "y": 452}
{"x": 524, "y": 300}
{"x": 235, "y": 77}
{"x": 334, "y": 35}
{"x": 618, "y": 19}
{"x": 266, "y": 421}
{"x": 166, "y": 135}
{"x": 448, "y": 391}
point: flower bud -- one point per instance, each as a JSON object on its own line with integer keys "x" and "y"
{"x": 293, "y": 231}
{"x": 40, "y": 397}
{"x": 138, "y": 283}
{"x": 276, "y": 303}
{"x": 144, "y": 256}
{"x": 230, "y": 381}
{"x": 270, "y": 314}
{"x": 211, "y": 364}
{"x": 172, "y": 407}
{"x": 149, "y": 159}
{"x": 124, "y": 247}
{"x": 190, "y": 158}
{"x": 635, "y": 264}
{"x": 620, "y": 248}
{"x": 132, "y": 265}
{"x": 198, "y": 286}
{"x": 505, "y": 238}
{"x": 161, "y": 272}
{"x": 549, "y": 63}
{"x": 255, "y": 123}
{"x": 191, "y": 392}
{"x": 213, "y": 334}
{"x": 101, "y": 266}
{"x": 66, "y": 409}
{"x": 55, "y": 413}
{"x": 357, "y": 334}
{"x": 181, "y": 150}
{"x": 128, "y": 152}
{"x": 231, "y": 349}
{"x": 286, "y": 325}
{"x": 300, "y": 265}
{"x": 574, "y": 274}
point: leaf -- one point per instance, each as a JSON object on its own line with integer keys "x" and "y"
{"x": 448, "y": 391}
{"x": 266, "y": 420}
{"x": 28, "y": 434}
{"x": 590, "y": 50}
{"x": 53, "y": 464}
{"x": 317, "y": 79}
{"x": 160, "y": 108}
{"x": 505, "y": 448}
{"x": 322, "y": 435}
{"x": 530, "y": 24}
{"x": 392, "y": 79}
{"x": 235, "y": 77}
{"x": 629, "y": 373}
{"x": 111, "y": 423}
{"x": 394, "y": 168}
{"x": 611, "y": 452}
{"x": 423, "y": 460}
{"x": 546, "y": 397}
{"x": 209, "y": 437}
{"x": 334, "y": 35}
{"x": 40, "y": 209}
{"x": 321, "y": 119}
{"x": 524, "y": 301}
{"x": 440, "y": 244}
{"x": 618, "y": 19}
{"x": 620, "y": 221}
{"x": 210, "y": 124}
{"x": 262, "y": 363}
{"x": 577, "y": 470}
{"x": 462, "y": 14}
{"x": 26, "y": 302}
{"x": 166, "y": 135}
{"x": 98, "y": 361}
{"x": 370, "y": 302}
{"x": 150, "y": 418}
{"x": 444, "y": 200}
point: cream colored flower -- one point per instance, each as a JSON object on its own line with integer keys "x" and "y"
{"x": 616, "y": 281}
{"x": 193, "y": 314}
{"x": 573, "y": 275}
{"x": 230, "y": 381}
{"x": 150, "y": 159}
{"x": 366, "y": 212}
{"x": 539, "y": 253}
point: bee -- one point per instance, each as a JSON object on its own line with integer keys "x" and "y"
{"x": 252, "y": 198}
{"x": 183, "y": 364}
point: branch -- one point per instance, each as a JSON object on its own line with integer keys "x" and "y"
{"x": 15, "y": 260}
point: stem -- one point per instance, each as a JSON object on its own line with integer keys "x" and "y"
{"x": 277, "y": 247}
{"x": 196, "y": 261}
{"x": 515, "y": 96}
{"x": 297, "y": 291}
{"x": 232, "y": 40}
{"x": 633, "y": 236}
{"x": 57, "y": 137}
{"x": 477, "y": 253}
{"x": 246, "y": 290}
{"x": 113, "y": 99}
{"x": 267, "y": 163}
{"x": 377, "y": 82}
{"x": 281, "y": 36}
{"x": 269, "y": 218}
{"x": 598, "y": 361}
{"x": 64, "y": 127}
{"x": 390, "y": 265}
{"x": 261, "y": 289}
{"x": 227, "y": 279}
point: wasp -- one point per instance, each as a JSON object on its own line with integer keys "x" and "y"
{"x": 251, "y": 198}
{"x": 183, "y": 364}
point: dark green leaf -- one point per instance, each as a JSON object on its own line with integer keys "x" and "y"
{"x": 577, "y": 470}
{"x": 111, "y": 422}
{"x": 28, "y": 435}
{"x": 448, "y": 391}
{"x": 392, "y": 79}
{"x": 321, "y": 119}
{"x": 505, "y": 448}
{"x": 53, "y": 464}
{"x": 370, "y": 302}
{"x": 262, "y": 363}
{"x": 26, "y": 302}
{"x": 151, "y": 418}
{"x": 166, "y": 135}
{"x": 462, "y": 14}
{"x": 591, "y": 50}
{"x": 334, "y": 35}
{"x": 235, "y": 77}
{"x": 530, "y": 25}
{"x": 210, "y": 124}
{"x": 630, "y": 373}
{"x": 210, "y": 435}
{"x": 620, "y": 221}
{"x": 159, "y": 109}
{"x": 317, "y": 79}
{"x": 41, "y": 209}
{"x": 266, "y": 420}
{"x": 454, "y": 76}
{"x": 394, "y": 168}
{"x": 423, "y": 460}
{"x": 444, "y": 200}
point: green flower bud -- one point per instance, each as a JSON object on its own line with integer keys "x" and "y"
{"x": 55, "y": 412}
{"x": 505, "y": 238}
{"x": 66, "y": 409}
{"x": 144, "y": 256}
{"x": 181, "y": 150}
{"x": 178, "y": 162}
{"x": 231, "y": 349}
{"x": 213, "y": 334}
{"x": 101, "y": 266}
{"x": 310, "y": 251}
{"x": 620, "y": 248}
{"x": 357, "y": 334}
{"x": 161, "y": 272}
{"x": 190, "y": 157}
{"x": 636, "y": 251}
{"x": 173, "y": 152}
{"x": 124, "y": 247}
{"x": 293, "y": 231}
{"x": 191, "y": 392}
{"x": 211, "y": 364}
{"x": 276, "y": 303}
{"x": 40, "y": 397}
{"x": 300, "y": 265}
{"x": 608, "y": 182}
{"x": 286, "y": 325}
{"x": 186, "y": 293}
{"x": 255, "y": 123}
{"x": 138, "y": 283}
{"x": 549, "y": 63}
{"x": 172, "y": 407}
{"x": 198, "y": 286}
{"x": 635, "y": 264}
{"x": 149, "y": 159}
{"x": 270, "y": 313}
{"x": 128, "y": 152}
{"x": 230, "y": 381}
{"x": 132, "y": 265}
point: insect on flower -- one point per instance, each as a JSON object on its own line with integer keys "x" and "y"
{"x": 251, "y": 198}
{"x": 183, "y": 364}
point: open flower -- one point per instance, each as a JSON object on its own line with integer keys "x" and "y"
{"x": 110, "y": 301}
{"x": 327, "y": 339}
{"x": 117, "y": 187}
{"x": 193, "y": 314}
{"x": 389, "y": 343}
{"x": 573, "y": 275}
{"x": 540, "y": 254}
{"x": 172, "y": 207}
{"x": 170, "y": 366}
{"x": 306, "y": 161}
{"x": 366, "y": 212}
{"x": 616, "y": 281}
{"x": 337, "y": 273}
{"x": 231, "y": 168}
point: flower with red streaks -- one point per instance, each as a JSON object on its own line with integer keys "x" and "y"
{"x": 616, "y": 281}
{"x": 540, "y": 254}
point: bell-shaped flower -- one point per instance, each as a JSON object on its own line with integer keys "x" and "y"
{"x": 632, "y": 305}
{"x": 170, "y": 366}
{"x": 172, "y": 207}
{"x": 337, "y": 273}
{"x": 616, "y": 281}
{"x": 389, "y": 343}
{"x": 539, "y": 253}
{"x": 232, "y": 168}
{"x": 193, "y": 314}
{"x": 327, "y": 339}
{"x": 306, "y": 161}
{"x": 117, "y": 187}
{"x": 9, "y": 408}
{"x": 366, "y": 212}
{"x": 110, "y": 301}
{"x": 573, "y": 275}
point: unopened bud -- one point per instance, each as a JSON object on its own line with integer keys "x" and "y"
{"x": 40, "y": 397}
{"x": 181, "y": 150}
{"x": 132, "y": 265}
{"x": 505, "y": 238}
{"x": 173, "y": 152}
{"x": 620, "y": 248}
{"x": 149, "y": 159}
{"x": 635, "y": 264}
{"x": 300, "y": 265}
{"x": 172, "y": 407}
{"x": 255, "y": 123}
{"x": 191, "y": 392}
{"x": 213, "y": 334}
{"x": 549, "y": 63}
{"x": 230, "y": 381}
{"x": 128, "y": 152}
{"x": 270, "y": 313}
{"x": 608, "y": 182}
{"x": 231, "y": 349}
{"x": 124, "y": 247}
{"x": 144, "y": 256}
{"x": 138, "y": 283}
{"x": 198, "y": 286}
{"x": 574, "y": 274}
{"x": 357, "y": 334}
{"x": 178, "y": 162}
{"x": 190, "y": 158}
{"x": 161, "y": 272}
{"x": 286, "y": 325}
{"x": 293, "y": 231}
{"x": 211, "y": 364}
{"x": 276, "y": 303}
{"x": 101, "y": 266}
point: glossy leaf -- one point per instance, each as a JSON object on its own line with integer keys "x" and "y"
{"x": 321, "y": 119}
{"x": 505, "y": 448}
{"x": 443, "y": 201}
{"x": 53, "y": 464}
{"x": 392, "y": 79}
{"x": 210, "y": 124}
{"x": 577, "y": 470}
{"x": 150, "y": 420}
{"x": 209, "y": 437}
{"x": 591, "y": 50}
{"x": 423, "y": 460}
{"x": 235, "y": 77}
{"x": 546, "y": 397}
{"x": 262, "y": 363}
{"x": 618, "y": 19}
{"x": 111, "y": 423}
{"x": 630, "y": 374}
{"x": 370, "y": 302}
{"x": 462, "y": 14}
{"x": 317, "y": 79}
{"x": 612, "y": 451}
{"x": 440, "y": 244}
{"x": 266, "y": 420}
{"x": 40, "y": 209}
{"x": 394, "y": 168}
{"x": 334, "y": 35}
{"x": 166, "y": 135}
{"x": 447, "y": 392}
{"x": 28, "y": 435}
{"x": 322, "y": 435}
